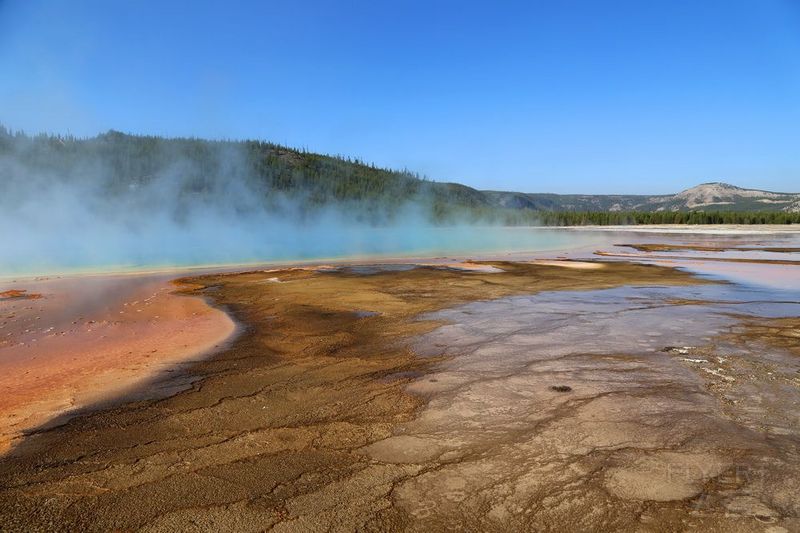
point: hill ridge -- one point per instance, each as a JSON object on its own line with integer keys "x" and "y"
{"x": 132, "y": 162}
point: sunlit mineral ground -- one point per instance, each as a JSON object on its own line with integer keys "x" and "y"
{"x": 607, "y": 379}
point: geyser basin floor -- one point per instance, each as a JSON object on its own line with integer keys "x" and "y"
{"x": 321, "y": 415}
{"x": 85, "y": 339}
{"x": 577, "y": 407}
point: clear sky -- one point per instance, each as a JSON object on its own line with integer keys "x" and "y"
{"x": 642, "y": 96}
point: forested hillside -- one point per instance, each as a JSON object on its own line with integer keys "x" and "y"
{"x": 141, "y": 172}
{"x": 251, "y": 173}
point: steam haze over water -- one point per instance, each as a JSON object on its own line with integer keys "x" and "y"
{"x": 64, "y": 208}
{"x": 638, "y": 97}
{"x": 92, "y": 245}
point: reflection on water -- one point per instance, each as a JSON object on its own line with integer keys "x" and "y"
{"x": 624, "y": 319}
{"x": 749, "y": 258}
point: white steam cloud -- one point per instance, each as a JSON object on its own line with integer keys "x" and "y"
{"x": 72, "y": 212}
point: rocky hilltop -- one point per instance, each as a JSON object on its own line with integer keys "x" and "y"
{"x": 714, "y": 196}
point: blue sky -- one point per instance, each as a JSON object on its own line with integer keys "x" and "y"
{"x": 568, "y": 96}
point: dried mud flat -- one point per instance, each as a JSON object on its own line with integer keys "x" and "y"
{"x": 535, "y": 398}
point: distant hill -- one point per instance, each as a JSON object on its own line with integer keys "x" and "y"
{"x": 117, "y": 172}
{"x": 705, "y": 197}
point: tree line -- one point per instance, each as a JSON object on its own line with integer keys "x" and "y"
{"x": 190, "y": 170}
{"x": 572, "y": 218}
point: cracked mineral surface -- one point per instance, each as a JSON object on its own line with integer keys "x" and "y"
{"x": 514, "y": 396}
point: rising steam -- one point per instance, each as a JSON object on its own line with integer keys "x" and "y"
{"x": 64, "y": 206}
